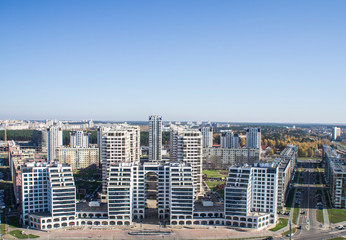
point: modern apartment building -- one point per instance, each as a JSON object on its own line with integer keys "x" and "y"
{"x": 127, "y": 191}
{"x": 207, "y": 134}
{"x": 336, "y": 133}
{"x": 54, "y": 141}
{"x": 49, "y": 196}
{"x": 78, "y": 158}
{"x": 40, "y": 139}
{"x": 223, "y": 158}
{"x": 251, "y": 196}
{"x": 229, "y": 139}
{"x": 117, "y": 144}
{"x": 253, "y": 138}
{"x": 186, "y": 146}
{"x": 79, "y": 139}
{"x": 17, "y": 157}
{"x": 335, "y": 176}
{"x": 155, "y": 138}
{"x": 286, "y": 163}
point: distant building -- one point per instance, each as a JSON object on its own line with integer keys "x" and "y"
{"x": 336, "y": 133}
{"x": 223, "y": 158}
{"x": 253, "y": 138}
{"x": 207, "y": 133}
{"x": 40, "y": 139}
{"x": 54, "y": 141}
{"x": 78, "y": 158}
{"x": 79, "y": 139}
{"x": 155, "y": 138}
{"x": 229, "y": 140}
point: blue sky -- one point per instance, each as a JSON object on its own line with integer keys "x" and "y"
{"x": 240, "y": 61}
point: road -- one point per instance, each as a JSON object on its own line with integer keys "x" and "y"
{"x": 310, "y": 227}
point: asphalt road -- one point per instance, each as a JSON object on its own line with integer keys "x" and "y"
{"x": 310, "y": 227}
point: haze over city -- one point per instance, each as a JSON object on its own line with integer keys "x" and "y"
{"x": 234, "y": 61}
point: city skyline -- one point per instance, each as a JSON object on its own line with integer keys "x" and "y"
{"x": 225, "y": 61}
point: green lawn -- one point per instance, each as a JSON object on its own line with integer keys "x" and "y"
{"x": 18, "y": 234}
{"x": 295, "y": 214}
{"x": 2, "y": 229}
{"x": 336, "y": 215}
{"x": 84, "y": 173}
{"x": 215, "y": 173}
{"x": 282, "y": 223}
{"x": 337, "y": 238}
{"x": 212, "y": 185}
{"x": 319, "y": 216}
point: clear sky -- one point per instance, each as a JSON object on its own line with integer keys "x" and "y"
{"x": 251, "y": 61}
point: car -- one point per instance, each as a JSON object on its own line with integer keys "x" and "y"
{"x": 299, "y": 227}
{"x": 303, "y": 212}
{"x": 269, "y": 238}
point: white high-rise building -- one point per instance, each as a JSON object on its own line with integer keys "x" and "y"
{"x": 336, "y": 133}
{"x": 253, "y": 138}
{"x": 251, "y": 195}
{"x": 155, "y": 138}
{"x": 48, "y": 192}
{"x": 235, "y": 141}
{"x": 79, "y": 139}
{"x": 186, "y": 146}
{"x": 54, "y": 141}
{"x": 118, "y": 144}
{"x": 229, "y": 140}
{"x": 127, "y": 191}
{"x": 226, "y": 138}
{"x": 207, "y": 133}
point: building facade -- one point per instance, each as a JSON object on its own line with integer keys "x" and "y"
{"x": 54, "y": 141}
{"x": 49, "y": 196}
{"x": 223, "y": 158}
{"x": 79, "y": 139}
{"x": 253, "y": 138}
{"x": 155, "y": 138}
{"x": 251, "y": 196}
{"x": 286, "y": 162}
{"x": 186, "y": 146}
{"x": 336, "y": 133}
{"x": 228, "y": 139}
{"x": 207, "y": 134}
{"x": 117, "y": 144}
{"x": 335, "y": 176}
{"x": 78, "y": 158}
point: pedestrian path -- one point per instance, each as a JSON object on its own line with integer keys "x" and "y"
{"x": 326, "y": 223}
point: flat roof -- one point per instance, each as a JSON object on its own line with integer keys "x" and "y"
{"x": 84, "y": 207}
